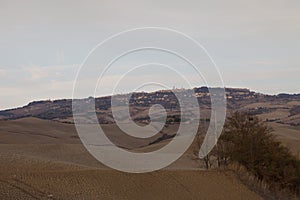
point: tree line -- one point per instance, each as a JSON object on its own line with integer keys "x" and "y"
{"x": 247, "y": 141}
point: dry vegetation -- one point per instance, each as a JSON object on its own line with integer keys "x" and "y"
{"x": 249, "y": 144}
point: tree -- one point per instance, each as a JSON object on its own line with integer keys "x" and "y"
{"x": 249, "y": 142}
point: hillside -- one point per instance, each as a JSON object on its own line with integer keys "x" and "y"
{"x": 282, "y": 108}
{"x": 42, "y": 159}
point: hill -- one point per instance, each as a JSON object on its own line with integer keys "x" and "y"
{"x": 42, "y": 159}
{"x": 281, "y": 108}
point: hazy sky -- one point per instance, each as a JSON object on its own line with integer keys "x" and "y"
{"x": 255, "y": 43}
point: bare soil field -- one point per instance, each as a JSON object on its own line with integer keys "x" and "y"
{"x": 43, "y": 159}
{"x": 44, "y": 180}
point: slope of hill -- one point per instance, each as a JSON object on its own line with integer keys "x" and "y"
{"x": 282, "y": 108}
{"x": 42, "y": 159}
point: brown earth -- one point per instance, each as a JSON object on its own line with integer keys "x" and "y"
{"x": 43, "y": 159}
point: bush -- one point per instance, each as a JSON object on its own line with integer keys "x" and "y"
{"x": 249, "y": 142}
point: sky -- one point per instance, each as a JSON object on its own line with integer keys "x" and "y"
{"x": 255, "y": 44}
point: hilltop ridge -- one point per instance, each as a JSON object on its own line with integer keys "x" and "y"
{"x": 281, "y": 108}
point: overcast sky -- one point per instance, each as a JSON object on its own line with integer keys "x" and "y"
{"x": 42, "y": 43}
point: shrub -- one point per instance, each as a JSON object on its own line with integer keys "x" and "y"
{"x": 249, "y": 142}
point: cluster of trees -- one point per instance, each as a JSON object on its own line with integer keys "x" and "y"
{"x": 248, "y": 141}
